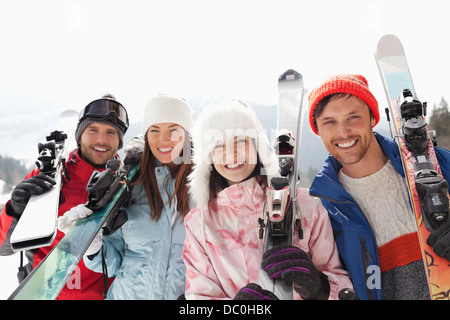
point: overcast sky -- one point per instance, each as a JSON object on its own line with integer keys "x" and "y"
{"x": 66, "y": 53}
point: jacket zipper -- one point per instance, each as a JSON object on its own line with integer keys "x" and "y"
{"x": 366, "y": 257}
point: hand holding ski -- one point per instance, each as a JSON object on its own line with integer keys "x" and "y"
{"x": 439, "y": 240}
{"x": 293, "y": 265}
{"x": 50, "y": 276}
{"x": 37, "y": 224}
{"x": 253, "y": 291}
{"x": 25, "y": 189}
{"x": 67, "y": 221}
{"x": 280, "y": 210}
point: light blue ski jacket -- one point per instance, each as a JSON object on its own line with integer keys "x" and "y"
{"x": 145, "y": 256}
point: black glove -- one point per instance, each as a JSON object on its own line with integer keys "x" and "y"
{"x": 253, "y": 291}
{"x": 23, "y": 191}
{"x": 439, "y": 239}
{"x": 293, "y": 265}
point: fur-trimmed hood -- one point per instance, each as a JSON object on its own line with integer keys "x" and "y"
{"x": 217, "y": 122}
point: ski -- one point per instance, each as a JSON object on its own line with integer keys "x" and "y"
{"x": 107, "y": 192}
{"x": 280, "y": 213}
{"x": 37, "y": 226}
{"x": 428, "y": 190}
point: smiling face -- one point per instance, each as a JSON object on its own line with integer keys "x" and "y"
{"x": 166, "y": 141}
{"x": 345, "y": 127}
{"x": 99, "y": 143}
{"x": 235, "y": 159}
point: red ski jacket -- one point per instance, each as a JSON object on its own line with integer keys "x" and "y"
{"x": 84, "y": 284}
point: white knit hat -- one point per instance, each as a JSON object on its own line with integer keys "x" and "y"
{"x": 167, "y": 109}
{"x": 216, "y": 123}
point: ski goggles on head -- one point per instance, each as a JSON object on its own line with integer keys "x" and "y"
{"x": 104, "y": 108}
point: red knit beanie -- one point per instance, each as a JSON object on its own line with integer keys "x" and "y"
{"x": 354, "y": 84}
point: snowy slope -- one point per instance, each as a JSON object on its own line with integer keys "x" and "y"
{"x": 3, "y": 196}
{"x": 9, "y": 264}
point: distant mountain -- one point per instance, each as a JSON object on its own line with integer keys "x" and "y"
{"x": 12, "y": 171}
{"x": 26, "y": 120}
{"x": 311, "y": 153}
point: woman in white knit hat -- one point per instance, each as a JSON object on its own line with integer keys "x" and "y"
{"x": 223, "y": 252}
{"x": 145, "y": 254}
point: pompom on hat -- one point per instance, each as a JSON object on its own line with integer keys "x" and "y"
{"x": 167, "y": 109}
{"x": 353, "y": 84}
{"x": 216, "y": 123}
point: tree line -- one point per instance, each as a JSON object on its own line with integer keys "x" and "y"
{"x": 12, "y": 171}
{"x": 439, "y": 121}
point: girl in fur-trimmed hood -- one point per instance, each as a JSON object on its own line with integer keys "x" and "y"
{"x": 223, "y": 253}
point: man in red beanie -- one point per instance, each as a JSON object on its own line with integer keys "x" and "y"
{"x": 362, "y": 185}
{"x": 99, "y": 135}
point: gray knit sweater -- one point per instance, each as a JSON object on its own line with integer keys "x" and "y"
{"x": 383, "y": 198}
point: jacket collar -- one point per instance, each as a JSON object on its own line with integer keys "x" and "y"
{"x": 391, "y": 149}
{"x": 241, "y": 194}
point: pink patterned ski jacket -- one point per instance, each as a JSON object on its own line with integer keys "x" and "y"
{"x": 223, "y": 252}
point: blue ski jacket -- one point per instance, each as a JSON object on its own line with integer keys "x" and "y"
{"x": 144, "y": 255}
{"x": 354, "y": 236}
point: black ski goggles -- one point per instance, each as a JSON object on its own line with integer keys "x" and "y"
{"x": 104, "y": 108}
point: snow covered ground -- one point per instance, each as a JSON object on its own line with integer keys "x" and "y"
{"x": 8, "y": 275}
{"x": 8, "y": 264}
{"x": 3, "y": 197}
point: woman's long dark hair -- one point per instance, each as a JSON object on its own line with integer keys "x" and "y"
{"x": 148, "y": 178}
